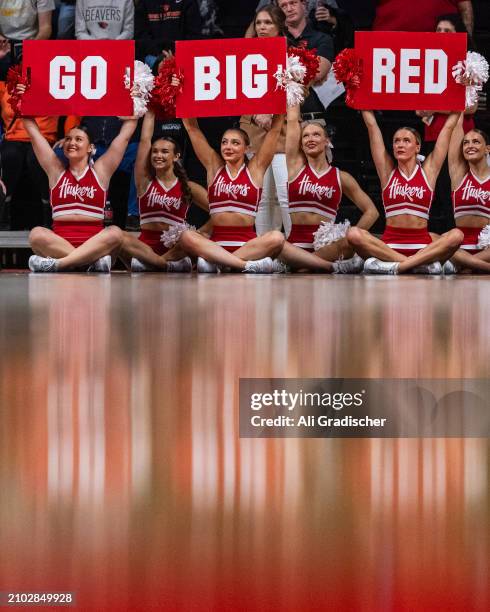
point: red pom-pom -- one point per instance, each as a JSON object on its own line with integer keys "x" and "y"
{"x": 14, "y": 78}
{"x": 309, "y": 59}
{"x": 164, "y": 94}
{"x": 348, "y": 70}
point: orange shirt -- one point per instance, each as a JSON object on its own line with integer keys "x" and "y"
{"x": 16, "y": 132}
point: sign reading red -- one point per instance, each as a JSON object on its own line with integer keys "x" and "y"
{"x": 77, "y": 77}
{"x": 409, "y": 71}
{"x": 230, "y": 77}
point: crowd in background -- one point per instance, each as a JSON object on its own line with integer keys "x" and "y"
{"x": 326, "y": 25}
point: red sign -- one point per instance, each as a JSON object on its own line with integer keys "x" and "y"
{"x": 75, "y": 77}
{"x": 409, "y": 71}
{"x": 230, "y": 77}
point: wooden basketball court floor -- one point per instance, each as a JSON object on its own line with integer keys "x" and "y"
{"x": 124, "y": 480}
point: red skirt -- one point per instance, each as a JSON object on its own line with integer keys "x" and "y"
{"x": 470, "y": 241}
{"x": 302, "y": 236}
{"x": 152, "y": 239}
{"x": 406, "y": 241}
{"x": 232, "y": 238}
{"x": 77, "y": 233}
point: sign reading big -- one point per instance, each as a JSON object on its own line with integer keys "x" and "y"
{"x": 409, "y": 71}
{"x": 77, "y": 77}
{"x": 230, "y": 77}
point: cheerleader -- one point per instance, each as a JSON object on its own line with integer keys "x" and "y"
{"x": 407, "y": 190}
{"x": 164, "y": 198}
{"x": 470, "y": 184}
{"x": 78, "y": 194}
{"x": 315, "y": 191}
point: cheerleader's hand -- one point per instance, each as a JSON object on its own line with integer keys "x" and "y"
{"x": 176, "y": 82}
{"x": 263, "y": 121}
{"x": 21, "y": 89}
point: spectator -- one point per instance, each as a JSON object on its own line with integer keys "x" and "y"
{"x": 334, "y": 22}
{"x": 66, "y": 20}
{"x": 26, "y": 19}
{"x": 158, "y": 25}
{"x": 396, "y": 15}
{"x": 104, "y": 20}
{"x": 17, "y": 157}
{"x": 301, "y": 32}
{"x": 433, "y": 124}
{"x": 273, "y": 210}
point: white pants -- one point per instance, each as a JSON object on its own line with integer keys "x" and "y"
{"x": 273, "y": 210}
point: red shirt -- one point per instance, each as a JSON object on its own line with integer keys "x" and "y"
{"x": 80, "y": 196}
{"x": 432, "y": 131}
{"x": 400, "y": 15}
{"x": 162, "y": 204}
{"x": 316, "y": 193}
{"x": 472, "y": 197}
{"x": 228, "y": 194}
{"x": 407, "y": 195}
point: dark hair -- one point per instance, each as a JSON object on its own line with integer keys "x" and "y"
{"x": 418, "y": 138}
{"x": 453, "y": 18}
{"x": 242, "y": 133}
{"x": 84, "y": 128}
{"x": 178, "y": 168}
{"x": 277, "y": 16}
{"x": 483, "y": 134}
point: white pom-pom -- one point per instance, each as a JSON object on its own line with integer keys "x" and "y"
{"x": 291, "y": 80}
{"x": 295, "y": 68}
{"x": 329, "y": 232}
{"x": 472, "y": 72}
{"x": 171, "y": 236}
{"x": 143, "y": 84}
{"x": 484, "y": 238}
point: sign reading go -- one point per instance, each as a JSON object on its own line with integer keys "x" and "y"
{"x": 77, "y": 77}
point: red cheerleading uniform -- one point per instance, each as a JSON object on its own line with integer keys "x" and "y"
{"x": 160, "y": 204}
{"x": 407, "y": 196}
{"x": 315, "y": 193}
{"x": 238, "y": 195}
{"x": 472, "y": 197}
{"x": 78, "y": 196}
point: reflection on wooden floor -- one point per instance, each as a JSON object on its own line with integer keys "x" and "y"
{"x": 123, "y": 477}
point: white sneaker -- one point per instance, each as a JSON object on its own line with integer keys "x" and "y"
{"x": 181, "y": 265}
{"x": 376, "y": 266}
{"x": 449, "y": 268}
{"x": 206, "y": 267}
{"x": 139, "y": 266}
{"x": 42, "y": 264}
{"x": 433, "y": 268}
{"x": 259, "y": 266}
{"x": 104, "y": 265}
{"x": 279, "y": 267}
{"x": 354, "y": 265}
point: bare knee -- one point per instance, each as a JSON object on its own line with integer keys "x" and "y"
{"x": 39, "y": 237}
{"x": 275, "y": 240}
{"x": 355, "y": 237}
{"x": 454, "y": 238}
{"x": 189, "y": 241}
{"x": 114, "y": 237}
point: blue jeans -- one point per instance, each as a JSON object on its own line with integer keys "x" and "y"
{"x": 126, "y": 166}
{"x": 66, "y": 22}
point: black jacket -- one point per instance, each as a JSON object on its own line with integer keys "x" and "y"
{"x": 159, "y": 23}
